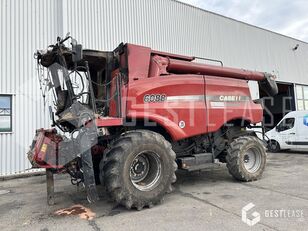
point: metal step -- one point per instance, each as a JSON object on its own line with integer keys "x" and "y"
{"x": 196, "y": 162}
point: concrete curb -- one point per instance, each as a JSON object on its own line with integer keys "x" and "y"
{"x": 23, "y": 175}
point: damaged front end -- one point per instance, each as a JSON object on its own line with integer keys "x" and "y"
{"x": 65, "y": 80}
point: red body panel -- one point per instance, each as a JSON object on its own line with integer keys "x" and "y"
{"x": 193, "y": 99}
{"x": 45, "y": 151}
{"x": 221, "y": 110}
{"x": 108, "y": 121}
{"x": 113, "y": 94}
{"x": 138, "y": 61}
{"x": 193, "y": 102}
{"x": 180, "y": 66}
{"x": 169, "y": 113}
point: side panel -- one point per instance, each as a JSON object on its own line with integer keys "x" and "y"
{"x": 138, "y": 61}
{"x": 175, "y": 102}
{"x": 228, "y": 99}
{"x": 288, "y": 136}
{"x": 302, "y": 132}
{"x": 114, "y": 94}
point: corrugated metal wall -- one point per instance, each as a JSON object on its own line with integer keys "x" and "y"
{"x": 167, "y": 25}
{"x": 172, "y": 26}
{"x": 24, "y": 26}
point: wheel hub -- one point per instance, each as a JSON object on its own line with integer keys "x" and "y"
{"x": 252, "y": 160}
{"x": 246, "y": 159}
{"x": 145, "y": 171}
{"x": 273, "y": 145}
{"x": 139, "y": 168}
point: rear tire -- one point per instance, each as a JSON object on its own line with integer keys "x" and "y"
{"x": 139, "y": 169}
{"x": 246, "y": 158}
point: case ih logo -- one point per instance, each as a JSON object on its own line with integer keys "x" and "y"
{"x": 230, "y": 98}
{"x": 306, "y": 120}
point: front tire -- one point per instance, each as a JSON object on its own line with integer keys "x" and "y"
{"x": 246, "y": 158}
{"x": 139, "y": 169}
{"x": 273, "y": 146}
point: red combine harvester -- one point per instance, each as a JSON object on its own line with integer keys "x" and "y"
{"x": 129, "y": 118}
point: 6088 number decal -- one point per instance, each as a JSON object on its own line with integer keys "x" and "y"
{"x": 154, "y": 98}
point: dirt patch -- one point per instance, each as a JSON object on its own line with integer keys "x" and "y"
{"x": 77, "y": 210}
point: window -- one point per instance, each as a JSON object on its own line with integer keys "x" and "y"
{"x": 5, "y": 113}
{"x": 299, "y": 92}
{"x": 302, "y": 97}
{"x": 305, "y": 92}
{"x": 286, "y": 124}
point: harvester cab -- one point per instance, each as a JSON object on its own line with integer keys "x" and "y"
{"x": 77, "y": 76}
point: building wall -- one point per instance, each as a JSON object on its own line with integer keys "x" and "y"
{"x": 167, "y": 25}
{"x": 24, "y": 26}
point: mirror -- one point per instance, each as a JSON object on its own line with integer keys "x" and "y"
{"x": 77, "y": 51}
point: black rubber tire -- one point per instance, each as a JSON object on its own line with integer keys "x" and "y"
{"x": 273, "y": 148}
{"x": 115, "y": 170}
{"x": 236, "y": 154}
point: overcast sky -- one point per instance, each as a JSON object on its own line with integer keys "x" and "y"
{"x": 283, "y": 16}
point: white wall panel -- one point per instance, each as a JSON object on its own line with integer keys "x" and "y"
{"x": 24, "y": 26}
{"x": 167, "y": 25}
{"x": 176, "y": 27}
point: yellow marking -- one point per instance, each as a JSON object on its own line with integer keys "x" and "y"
{"x": 44, "y": 148}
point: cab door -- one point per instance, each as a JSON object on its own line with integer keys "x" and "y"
{"x": 287, "y": 133}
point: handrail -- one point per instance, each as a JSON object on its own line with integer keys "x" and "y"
{"x": 212, "y": 60}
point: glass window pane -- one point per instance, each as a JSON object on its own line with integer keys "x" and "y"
{"x": 5, "y": 113}
{"x": 286, "y": 124}
{"x": 5, "y": 123}
{"x": 306, "y": 93}
{"x": 5, "y": 103}
{"x": 306, "y": 104}
{"x": 299, "y": 92}
{"x": 300, "y": 105}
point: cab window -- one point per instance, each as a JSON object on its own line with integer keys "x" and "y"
{"x": 286, "y": 124}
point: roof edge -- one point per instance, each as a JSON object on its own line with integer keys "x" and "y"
{"x": 236, "y": 20}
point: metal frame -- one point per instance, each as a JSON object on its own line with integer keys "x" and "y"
{"x": 50, "y": 187}
{"x": 296, "y": 96}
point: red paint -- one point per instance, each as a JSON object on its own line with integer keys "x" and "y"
{"x": 142, "y": 62}
{"x": 108, "y": 122}
{"x": 199, "y": 116}
{"x": 46, "y": 148}
{"x": 182, "y": 67}
{"x": 113, "y": 94}
{"x": 138, "y": 61}
{"x": 246, "y": 110}
{"x": 152, "y": 72}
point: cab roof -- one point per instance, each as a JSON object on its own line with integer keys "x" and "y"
{"x": 297, "y": 113}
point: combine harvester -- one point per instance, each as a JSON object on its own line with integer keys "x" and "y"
{"x": 129, "y": 118}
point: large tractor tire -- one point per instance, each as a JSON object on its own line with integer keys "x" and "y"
{"x": 139, "y": 169}
{"x": 246, "y": 158}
